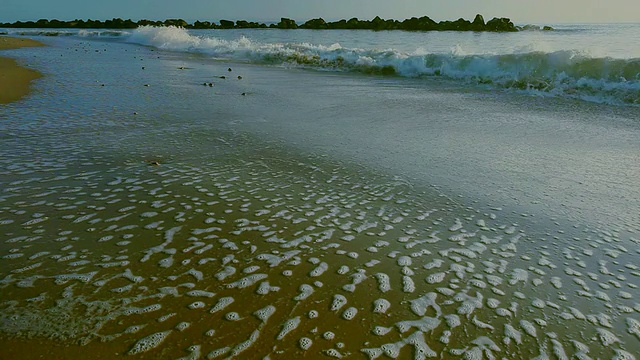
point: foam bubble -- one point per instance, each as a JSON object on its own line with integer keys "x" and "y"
{"x": 245, "y": 344}
{"x": 338, "y": 302}
{"x": 246, "y": 281}
{"x": 380, "y": 306}
{"x": 384, "y": 283}
{"x": 528, "y": 328}
{"x": 305, "y": 343}
{"x": 452, "y": 320}
{"x": 305, "y": 291}
{"x": 333, "y": 353}
{"x": 391, "y": 350}
{"x": 196, "y": 305}
{"x": 435, "y": 278}
{"x": 150, "y": 342}
{"x": 288, "y": 326}
{"x": 328, "y": 335}
{"x": 404, "y": 261}
{"x": 343, "y": 270}
{"x": 319, "y": 270}
{"x": 264, "y": 313}
{"x": 511, "y": 333}
{"x": 221, "y": 304}
{"x": 538, "y": 303}
{"x": 200, "y": 293}
{"x": 408, "y": 285}
{"x": 381, "y": 330}
{"x": 623, "y": 355}
{"x": 350, "y": 313}
{"x": 606, "y": 337}
{"x": 182, "y": 326}
{"x": 421, "y": 349}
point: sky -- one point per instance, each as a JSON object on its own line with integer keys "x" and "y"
{"x": 520, "y": 11}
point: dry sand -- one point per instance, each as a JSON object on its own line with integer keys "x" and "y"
{"x": 14, "y": 79}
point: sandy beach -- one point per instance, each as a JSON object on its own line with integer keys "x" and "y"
{"x": 15, "y": 79}
{"x": 279, "y": 212}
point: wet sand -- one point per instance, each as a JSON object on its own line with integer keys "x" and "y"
{"x": 15, "y": 79}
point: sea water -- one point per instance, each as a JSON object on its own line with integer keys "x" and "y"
{"x": 338, "y": 193}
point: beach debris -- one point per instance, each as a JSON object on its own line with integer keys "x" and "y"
{"x": 223, "y": 77}
{"x": 210, "y": 84}
{"x": 244, "y": 94}
{"x": 239, "y": 77}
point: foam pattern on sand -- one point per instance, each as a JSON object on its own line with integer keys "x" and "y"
{"x": 127, "y": 253}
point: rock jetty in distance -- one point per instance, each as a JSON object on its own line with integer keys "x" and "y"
{"x": 377, "y": 24}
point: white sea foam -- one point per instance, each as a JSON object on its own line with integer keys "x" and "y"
{"x": 556, "y": 73}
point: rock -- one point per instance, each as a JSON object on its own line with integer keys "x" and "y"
{"x": 203, "y": 25}
{"x": 242, "y": 24}
{"x": 315, "y": 24}
{"x": 226, "y": 24}
{"x": 340, "y": 24}
{"x": 287, "y": 24}
{"x": 529, "y": 27}
{"x": 458, "y": 25}
{"x": 419, "y": 24}
{"x": 547, "y": 28}
{"x": 176, "y": 23}
{"x": 500, "y": 25}
{"x": 478, "y": 23}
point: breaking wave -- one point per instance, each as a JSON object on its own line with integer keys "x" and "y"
{"x": 561, "y": 73}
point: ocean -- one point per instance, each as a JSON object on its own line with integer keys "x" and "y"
{"x": 267, "y": 194}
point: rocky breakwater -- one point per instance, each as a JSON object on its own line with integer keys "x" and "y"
{"x": 423, "y": 23}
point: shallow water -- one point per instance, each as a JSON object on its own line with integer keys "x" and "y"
{"x": 317, "y": 215}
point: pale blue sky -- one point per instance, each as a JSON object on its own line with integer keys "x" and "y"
{"x": 520, "y": 11}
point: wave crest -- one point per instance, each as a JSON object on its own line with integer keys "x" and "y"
{"x": 560, "y": 73}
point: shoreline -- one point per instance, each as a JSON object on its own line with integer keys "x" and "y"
{"x": 15, "y": 80}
